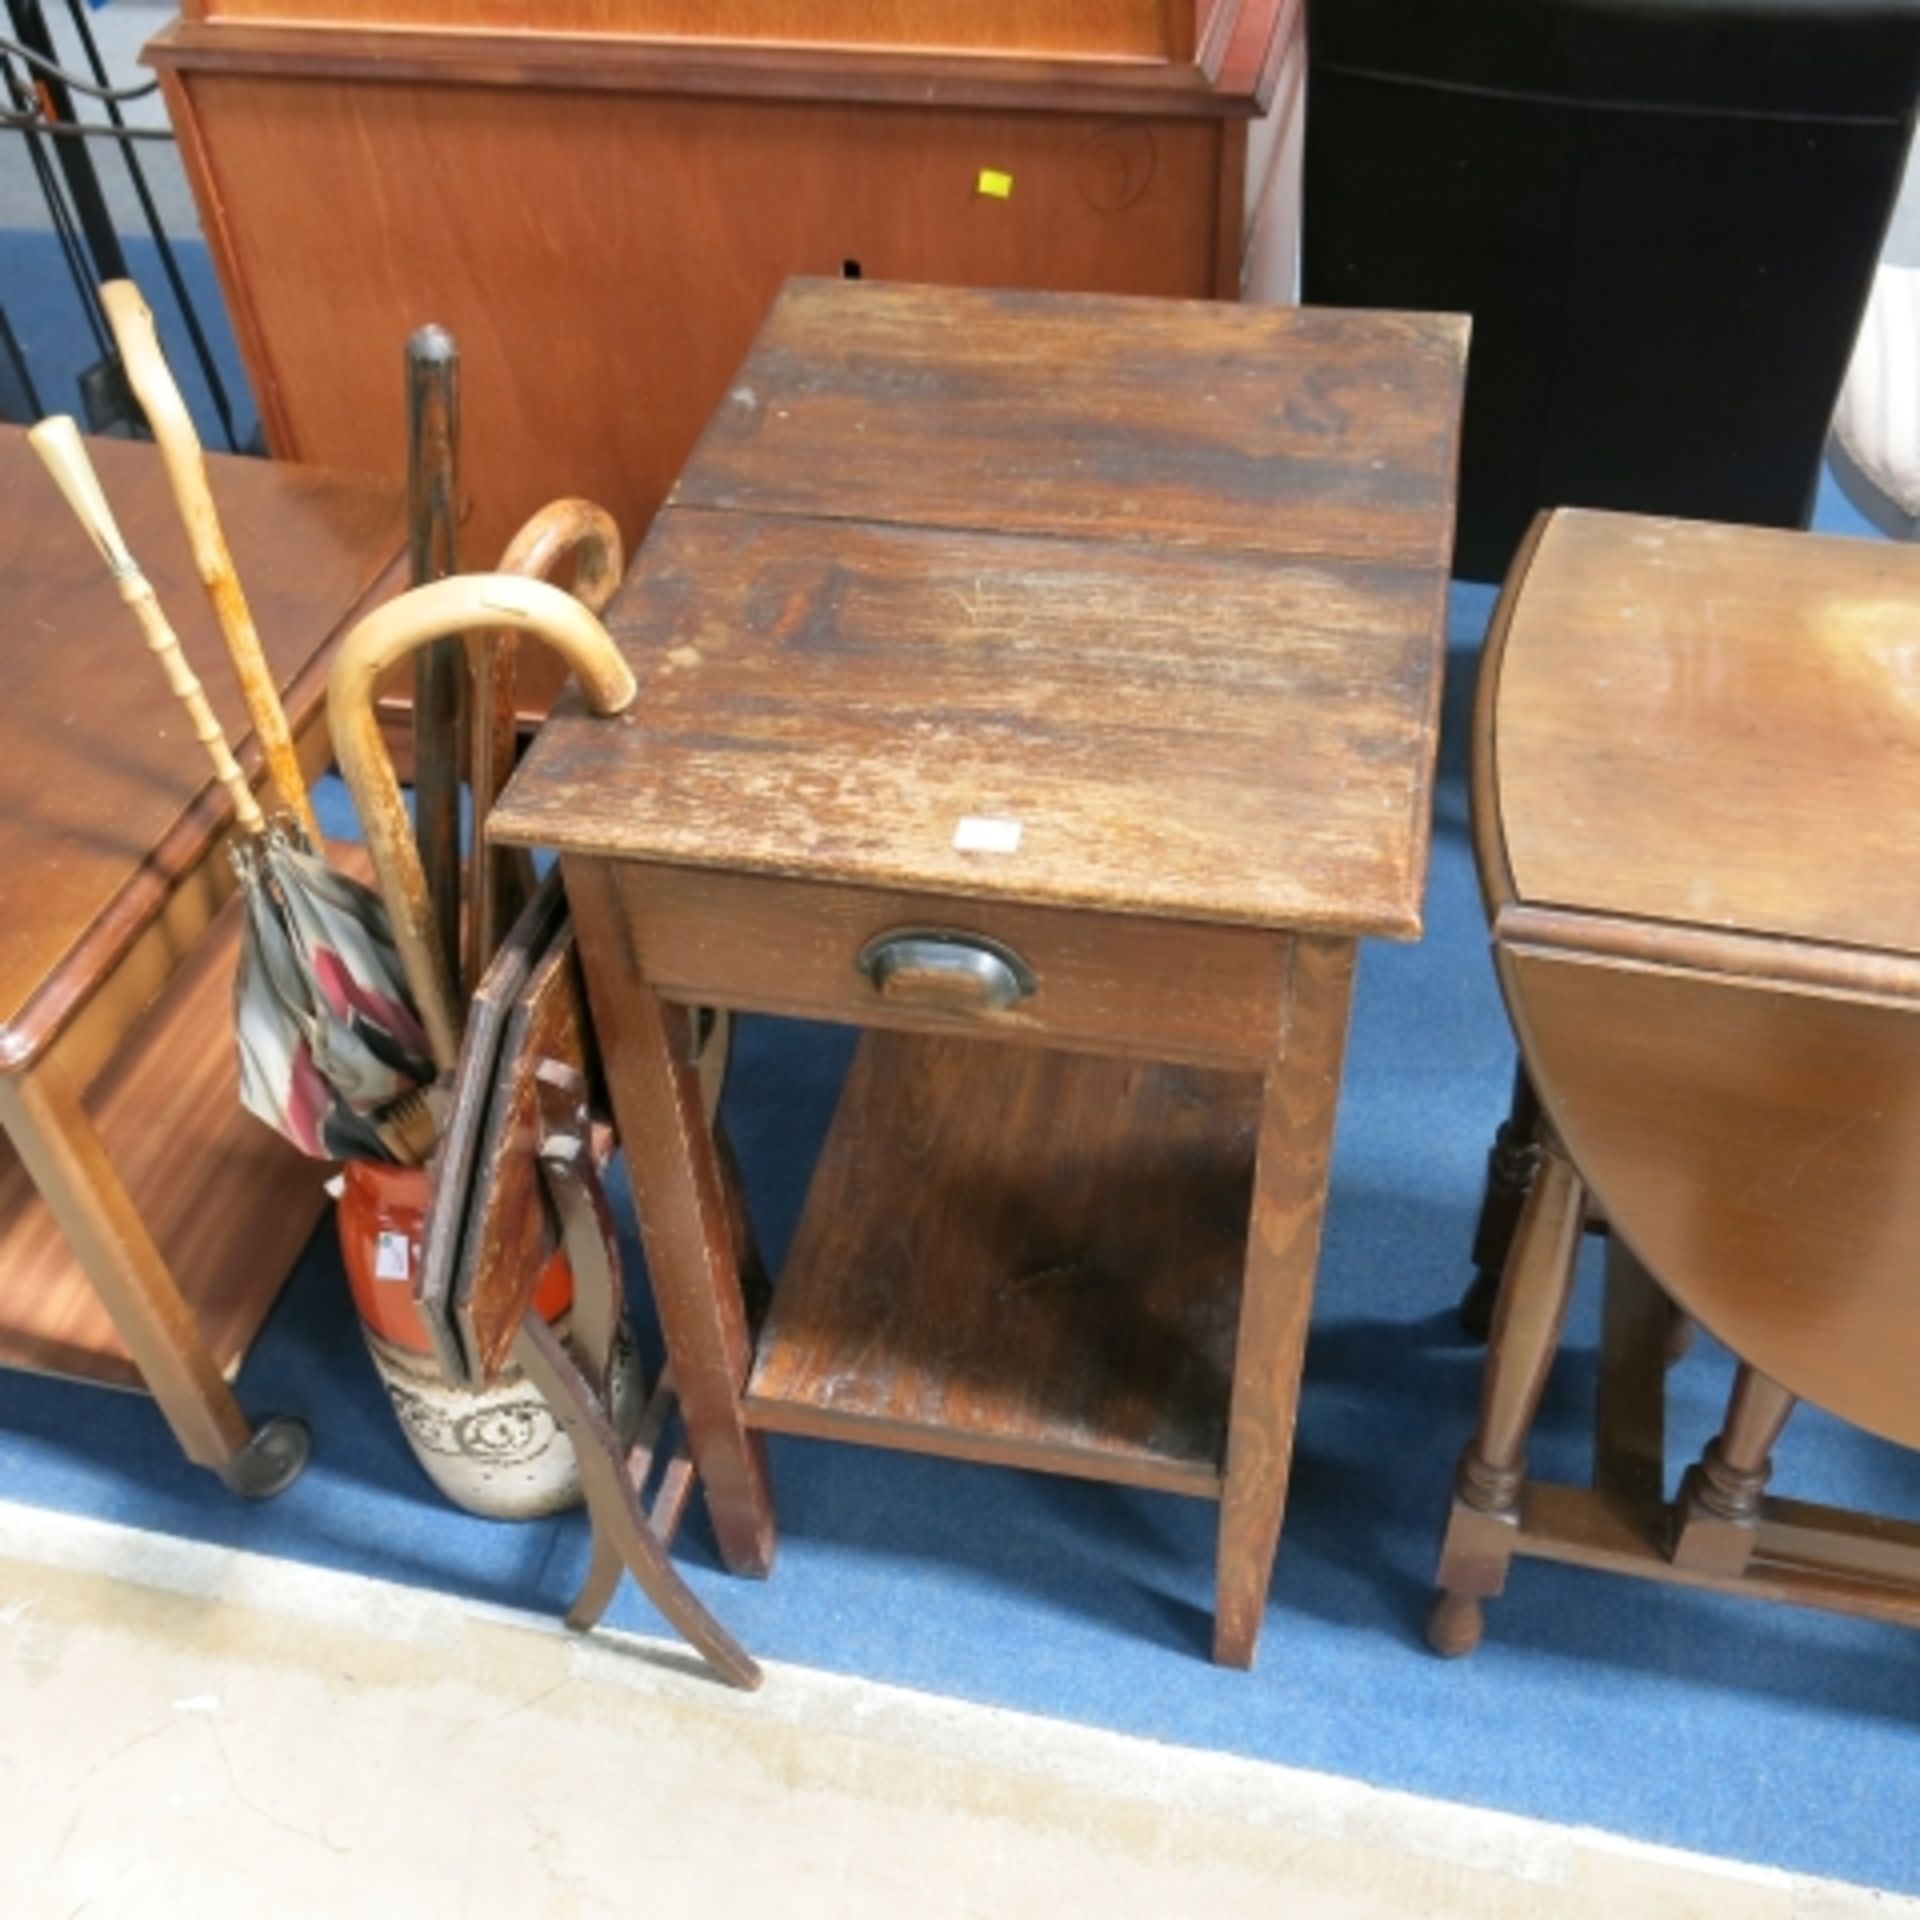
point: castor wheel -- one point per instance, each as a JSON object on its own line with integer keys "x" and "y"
{"x": 1476, "y": 1304}
{"x": 1455, "y": 1624}
{"x": 271, "y": 1461}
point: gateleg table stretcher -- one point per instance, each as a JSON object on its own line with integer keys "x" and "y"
{"x": 1048, "y": 686}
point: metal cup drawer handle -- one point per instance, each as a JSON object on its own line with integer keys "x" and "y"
{"x": 953, "y": 972}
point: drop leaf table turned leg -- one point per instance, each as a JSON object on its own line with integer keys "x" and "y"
{"x": 1511, "y": 1163}
{"x": 1532, "y": 1308}
{"x": 1717, "y": 1517}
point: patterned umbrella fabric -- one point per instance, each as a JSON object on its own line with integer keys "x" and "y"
{"x": 332, "y": 1052}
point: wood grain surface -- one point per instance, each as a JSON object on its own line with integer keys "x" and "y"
{"x": 1174, "y": 734}
{"x": 1092, "y": 607}
{"x": 1230, "y": 74}
{"x": 1283, "y": 431}
{"x": 1136, "y": 29}
{"x": 510, "y": 1236}
{"x": 464, "y": 1157}
{"x": 1104, "y": 631}
{"x": 597, "y": 380}
{"x": 1299, "y": 1102}
{"x": 1717, "y": 727}
{"x": 691, "y": 1226}
{"x": 1754, "y": 1143}
{"x": 106, "y": 799}
{"x": 1697, "y": 752}
{"x": 454, "y": 159}
{"x": 227, "y": 1202}
{"x": 1018, "y": 1255}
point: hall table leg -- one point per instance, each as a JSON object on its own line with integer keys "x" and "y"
{"x": 687, "y": 1223}
{"x": 1297, "y": 1114}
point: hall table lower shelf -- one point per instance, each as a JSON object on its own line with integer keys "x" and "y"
{"x": 1022, "y": 1256}
{"x": 1047, "y": 685}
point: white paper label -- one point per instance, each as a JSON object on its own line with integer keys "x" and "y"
{"x": 978, "y": 833}
{"x": 390, "y": 1260}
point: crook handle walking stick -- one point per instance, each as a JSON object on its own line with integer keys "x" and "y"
{"x": 501, "y": 878}
{"x": 465, "y": 603}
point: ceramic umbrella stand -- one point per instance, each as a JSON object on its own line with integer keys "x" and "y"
{"x": 494, "y": 1450}
{"x": 491, "y": 1447}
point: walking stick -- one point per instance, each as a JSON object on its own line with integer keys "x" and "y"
{"x": 153, "y": 385}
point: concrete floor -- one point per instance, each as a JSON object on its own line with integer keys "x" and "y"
{"x": 191, "y": 1731}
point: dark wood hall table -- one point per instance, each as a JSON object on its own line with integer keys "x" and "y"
{"x": 1048, "y": 686}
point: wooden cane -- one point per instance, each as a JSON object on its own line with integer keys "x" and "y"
{"x": 500, "y": 879}
{"x": 186, "y": 464}
{"x": 466, "y": 603}
{"x": 440, "y": 671}
{"x": 64, "y": 455}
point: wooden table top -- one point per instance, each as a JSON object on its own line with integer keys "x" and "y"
{"x": 1073, "y": 600}
{"x": 106, "y": 799}
{"x": 1713, "y": 727}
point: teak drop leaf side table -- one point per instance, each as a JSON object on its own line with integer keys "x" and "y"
{"x": 1049, "y": 686}
{"x": 146, "y": 1220}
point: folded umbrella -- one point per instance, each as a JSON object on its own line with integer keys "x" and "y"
{"x": 332, "y": 1052}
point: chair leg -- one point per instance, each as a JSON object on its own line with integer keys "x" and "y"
{"x": 1716, "y": 1518}
{"x": 577, "y": 1390}
{"x": 613, "y": 1508}
{"x": 604, "y": 1569}
{"x": 1485, "y": 1518}
{"x": 1511, "y": 1163}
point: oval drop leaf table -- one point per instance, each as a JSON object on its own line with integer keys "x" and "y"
{"x": 1697, "y": 805}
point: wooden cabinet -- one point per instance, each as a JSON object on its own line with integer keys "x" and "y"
{"x": 1115, "y": 29}
{"x": 602, "y": 212}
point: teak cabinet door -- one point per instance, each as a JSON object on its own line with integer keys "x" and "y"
{"x": 604, "y": 259}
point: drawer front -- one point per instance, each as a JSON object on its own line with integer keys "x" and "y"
{"x": 1168, "y": 990}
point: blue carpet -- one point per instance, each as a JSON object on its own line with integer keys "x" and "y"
{"x": 1772, "y": 1735}
{"x": 50, "y": 324}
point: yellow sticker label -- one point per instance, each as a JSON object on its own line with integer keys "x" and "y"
{"x": 994, "y": 185}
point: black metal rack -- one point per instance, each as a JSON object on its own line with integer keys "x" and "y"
{"x": 40, "y": 101}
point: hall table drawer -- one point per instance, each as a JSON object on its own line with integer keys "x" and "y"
{"x": 1205, "y": 995}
